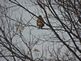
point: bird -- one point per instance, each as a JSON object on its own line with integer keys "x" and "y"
{"x": 40, "y": 22}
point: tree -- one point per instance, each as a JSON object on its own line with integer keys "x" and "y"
{"x": 62, "y": 17}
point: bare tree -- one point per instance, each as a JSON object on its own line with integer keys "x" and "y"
{"x": 62, "y": 17}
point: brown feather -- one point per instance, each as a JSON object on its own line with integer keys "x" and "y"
{"x": 40, "y": 22}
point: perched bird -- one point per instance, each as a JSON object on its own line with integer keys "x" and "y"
{"x": 40, "y": 22}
